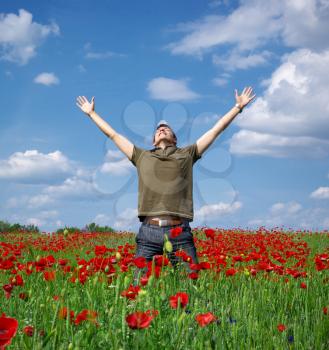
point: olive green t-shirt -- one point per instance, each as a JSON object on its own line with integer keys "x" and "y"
{"x": 165, "y": 180}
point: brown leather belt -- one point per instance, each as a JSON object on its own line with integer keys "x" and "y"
{"x": 163, "y": 222}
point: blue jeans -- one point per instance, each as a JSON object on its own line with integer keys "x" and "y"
{"x": 150, "y": 241}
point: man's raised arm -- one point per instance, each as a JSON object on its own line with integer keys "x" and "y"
{"x": 122, "y": 143}
{"x": 241, "y": 101}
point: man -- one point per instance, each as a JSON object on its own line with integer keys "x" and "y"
{"x": 165, "y": 180}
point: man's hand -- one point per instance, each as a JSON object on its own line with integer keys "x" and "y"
{"x": 84, "y": 105}
{"x": 245, "y": 98}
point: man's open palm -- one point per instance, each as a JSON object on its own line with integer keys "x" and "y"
{"x": 85, "y": 105}
{"x": 245, "y": 98}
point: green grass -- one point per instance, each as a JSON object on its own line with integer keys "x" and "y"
{"x": 249, "y": 308}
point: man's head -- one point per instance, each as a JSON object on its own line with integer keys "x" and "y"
{"x": 164, "y": 132}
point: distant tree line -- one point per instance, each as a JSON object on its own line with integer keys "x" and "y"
{"x": 8, "y": 227}
{"x": 93, "y": 227}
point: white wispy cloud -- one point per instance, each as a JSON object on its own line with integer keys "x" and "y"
{"x": 254, "y": 24}
{"x": 121, "y": 167}
{"x": 46, "y": 79}
{"x": 35, "y": 167}
{"x": 235, "y": 60}
{"x": 170, "y": 90}
{"x": 90, "y": 54}
{"x": 320, "y": 193}
{"x": 288, "y": 208}
{"x": 291, "y": 118}
{"x": 291, "y": 215}
{"x": 127, "y": 219}
{"x": 103, "y": 55}
{"x": 20, "y": 36}
{"x": 210, "y": 211}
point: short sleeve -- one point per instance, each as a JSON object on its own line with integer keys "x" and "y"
{"x": 137, "y": 152}
{"x": 193, "y": 152}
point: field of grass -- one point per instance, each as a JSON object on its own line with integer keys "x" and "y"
{"x": 250, "y": 290}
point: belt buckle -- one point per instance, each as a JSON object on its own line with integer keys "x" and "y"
{"x": 163, "y": 222}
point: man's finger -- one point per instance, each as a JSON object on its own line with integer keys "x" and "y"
{"x": 80, "y": 99}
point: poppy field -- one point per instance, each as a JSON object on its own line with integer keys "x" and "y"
{"x": 264, "y": 289}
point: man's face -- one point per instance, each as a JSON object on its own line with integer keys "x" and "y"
{"x": 163, "y": 133}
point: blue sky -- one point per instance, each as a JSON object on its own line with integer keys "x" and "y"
{"x": 179, "y": 61}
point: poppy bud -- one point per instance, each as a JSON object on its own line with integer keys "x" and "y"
{"x": 168, "y": 246}
{"x": 126, "y": 282}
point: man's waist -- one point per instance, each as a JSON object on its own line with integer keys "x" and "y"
{"x": 164, "y": 220}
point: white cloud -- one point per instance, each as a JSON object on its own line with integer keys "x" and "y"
{"x": 254, "y": 24}
{"x": 102, "y": 220}
{"x": 214, "y": 210}
{"x": 285, "y": 208}
{"x": 103, "y": 55}
{"x": 121, "y": 167}
{"x": 220, "y": 81}
{"x": 72, "y": 188}
{"x": 235, "y": 60}
{"x": 247, "y": 143}
{"x": 127, "y": 219}
{"x": 320, "y": 193}
{"x": 170, "y": 90}
{"x": 292, "y": 215}
{"x": 40, "y": 200}
{"x": 44, "y": 218}
{"x": 35, "y": 221}
{"x": 100, "y": 55}
{"x": 81, "y": 68}
{"x": 292, "y": 117}
{"x": 20, "y": 36}
{"x": 248, "y": 27}
{"x": 34, "y": 167}
{"x": 46, "y": 79}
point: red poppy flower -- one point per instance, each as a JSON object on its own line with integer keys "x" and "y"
{"x": 204, "y": 319}
{"x": 325, "y": 310}
{"x": 160, "y": 260}
{"x": 144, "y": 280}
{"x": 8, "y": 329}
{"x": 281, "y": 327}
{"x": 28, "y": 330}
{"x": 230, "y": 272}
{"x": 8, "y": 288}
{"x": 49, "y": 275}
{"x": 303, "y": 285}
{"x": 63, "y": 312}
{"x": 193, "y": 275}
{"x": 86, "y": 315}
{"x": 179, "y": 298}
{"x": 176, "y": 231}
{"x": 23, "y": 296}
{"x": 131, "y": 292}
{"x": 17, "y": 280}
{"x": 140, "y": 262}
{"x": 210, "y": 233}
{"x": 139, "y": 319}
